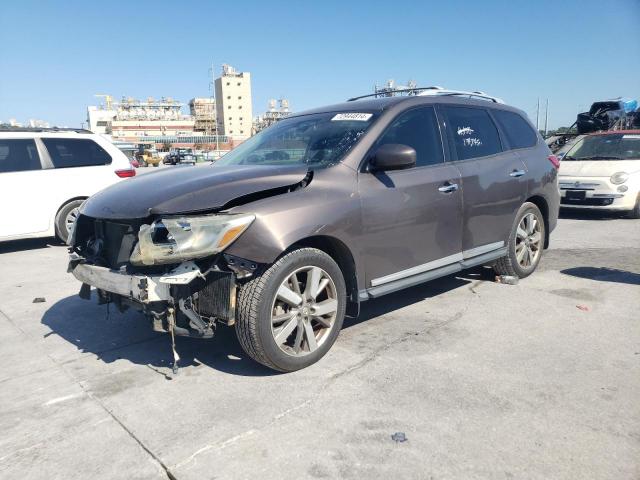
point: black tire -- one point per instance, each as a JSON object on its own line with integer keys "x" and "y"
{"x": 255, "y": 301}
{"x": 509, "y": 265}
{"x": 61, "y": 219}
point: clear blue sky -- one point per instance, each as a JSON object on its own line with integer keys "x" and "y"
{"x": 55, "y": 55}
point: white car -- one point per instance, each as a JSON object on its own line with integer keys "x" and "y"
{"x": 46, "y": 174}
{"x": 602, "y": 171}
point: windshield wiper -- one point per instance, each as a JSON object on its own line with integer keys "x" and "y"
{"x": 601, "y": 157}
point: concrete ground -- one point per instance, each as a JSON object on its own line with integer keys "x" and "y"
{"x": 538, "y": 380}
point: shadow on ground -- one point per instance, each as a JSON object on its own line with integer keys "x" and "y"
{"x": 604, "y": 274}
{"x": 28, "y": 244}
{"x": 112, "y": 336}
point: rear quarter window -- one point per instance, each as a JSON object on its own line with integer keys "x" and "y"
{"x": 71, "y": 152}
{"x": 19, "y": 155}
{"x": 472, "y": 132}
{"x": 517, "y": 130}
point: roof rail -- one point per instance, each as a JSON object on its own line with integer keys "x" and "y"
{"x": 426, "y": 91}
{"x": 43, "y": 129}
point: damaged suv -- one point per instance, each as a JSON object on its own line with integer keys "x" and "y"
{"x": 290, "y": 231}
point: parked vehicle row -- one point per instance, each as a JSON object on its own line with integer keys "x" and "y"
{"x": 293, "y": 229}
{"x": 602, "y": 171}
{"x": 46, "y": 174}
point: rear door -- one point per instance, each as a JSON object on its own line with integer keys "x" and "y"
{"x": 411, "y": 218}
{"x": 81, "y": 167}
{"x": 493, "y": 178}
{"x": 22, "y": 183}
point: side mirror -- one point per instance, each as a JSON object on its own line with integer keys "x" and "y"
{"x": 392, "y": 156}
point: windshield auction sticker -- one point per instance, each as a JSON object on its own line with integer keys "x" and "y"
{"x": 359, "y": 117}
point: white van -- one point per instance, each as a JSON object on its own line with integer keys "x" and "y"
{"x": 46, "y": 174}
{"x": 602, "y": 171}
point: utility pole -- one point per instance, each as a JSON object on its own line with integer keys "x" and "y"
{"x": 546, "y": 117}
{"x": 538, "y": 115}
{"x": 212, "y": 86}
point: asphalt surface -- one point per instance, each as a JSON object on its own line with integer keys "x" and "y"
{"x": 537, "y": 380}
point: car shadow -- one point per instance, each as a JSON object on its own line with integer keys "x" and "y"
{"x": 579, "y": 214}
{"x": 112, "y": 336}
{"x": 12, "y": 246}
{"x": 604, "y": 274}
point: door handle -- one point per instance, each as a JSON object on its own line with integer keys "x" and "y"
{"x": 517, "y": 173}
{"x": 448, "y": 188}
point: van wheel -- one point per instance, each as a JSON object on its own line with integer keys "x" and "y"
{"x": 526, "y": 243}
{"x": 290, "y": 315}
{"x": 65, "y": 219}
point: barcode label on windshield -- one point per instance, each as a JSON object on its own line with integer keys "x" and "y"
{"x": 633, "y": 137}
{"x": 358, "y": 117}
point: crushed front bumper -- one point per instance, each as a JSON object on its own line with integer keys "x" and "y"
{"x": 143, "y": 289}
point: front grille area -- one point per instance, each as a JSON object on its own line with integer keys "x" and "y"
{"x": 592, "y": 202}
{"x": 107, "y": 243}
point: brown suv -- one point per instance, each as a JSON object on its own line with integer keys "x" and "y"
{"x": 326, "y": 209}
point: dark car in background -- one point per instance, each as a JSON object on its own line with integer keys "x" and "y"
{"x": 180, "y": 156}
{"x": 293, "y": 229}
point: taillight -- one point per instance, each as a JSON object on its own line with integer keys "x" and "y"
{"x": 126, "y": 173}
{"x": 555, "y": 161}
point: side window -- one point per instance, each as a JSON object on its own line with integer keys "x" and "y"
{"x": 417, "y": 128}
{"x": 18, "y": 156}
{"x": 473, "y": 132}
{"x": 518, "y": 131}
{"x": 71, "y": 152}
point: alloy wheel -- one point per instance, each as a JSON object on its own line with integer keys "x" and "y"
{"x": 71, "y": 218}
{"x": 528, "y": 240}
{"x": 304, "y": 311}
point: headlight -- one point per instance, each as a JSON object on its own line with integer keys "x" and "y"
{"x": 175, "y": 239}
{"x": 619, "y": 177}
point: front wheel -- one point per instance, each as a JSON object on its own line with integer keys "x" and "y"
{"x": 289, "y": 316}
{"x": 525, "y": 245}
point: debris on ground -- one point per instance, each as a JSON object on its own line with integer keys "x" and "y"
{"x": 39, "y": 300}
{"x": 399, "y": 437}
{"x": 507, "y": 279}
{"x": 584, "y": 308}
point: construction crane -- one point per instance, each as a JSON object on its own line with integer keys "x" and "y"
{"x": 108, "y": 100}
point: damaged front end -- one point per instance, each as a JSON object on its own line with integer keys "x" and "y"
{"x": 172, "y": 268}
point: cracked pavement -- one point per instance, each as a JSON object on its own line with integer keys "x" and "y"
{"x": 485, "y": 380}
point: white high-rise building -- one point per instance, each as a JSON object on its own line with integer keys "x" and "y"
{"x": 233, "y": 103}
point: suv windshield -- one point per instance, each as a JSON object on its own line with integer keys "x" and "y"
{"x": 318, "y": 140}
{"x": 606, "y": 147}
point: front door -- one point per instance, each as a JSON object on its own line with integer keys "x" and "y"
{"x": 494, "y": 181}
{"x": 411, "y": 219}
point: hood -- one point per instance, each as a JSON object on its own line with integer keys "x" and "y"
{"x": 597, "y": 168}
{"x": 188, "y": 189}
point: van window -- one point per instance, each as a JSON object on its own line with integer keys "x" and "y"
{"x": 18, "y": 156}
{"x": 518, "y": 131}
{"x": 473, "y": 132}
{"x": 416, "y": 128}
{"x": 71, "y": 152}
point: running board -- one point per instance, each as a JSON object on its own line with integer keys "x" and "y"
{"x": 406, "y": 282}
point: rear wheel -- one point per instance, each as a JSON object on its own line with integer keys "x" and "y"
{"x": 526, "y": 243}
{"x": 65, "y": 219}
{"x": 289, "y": 316}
